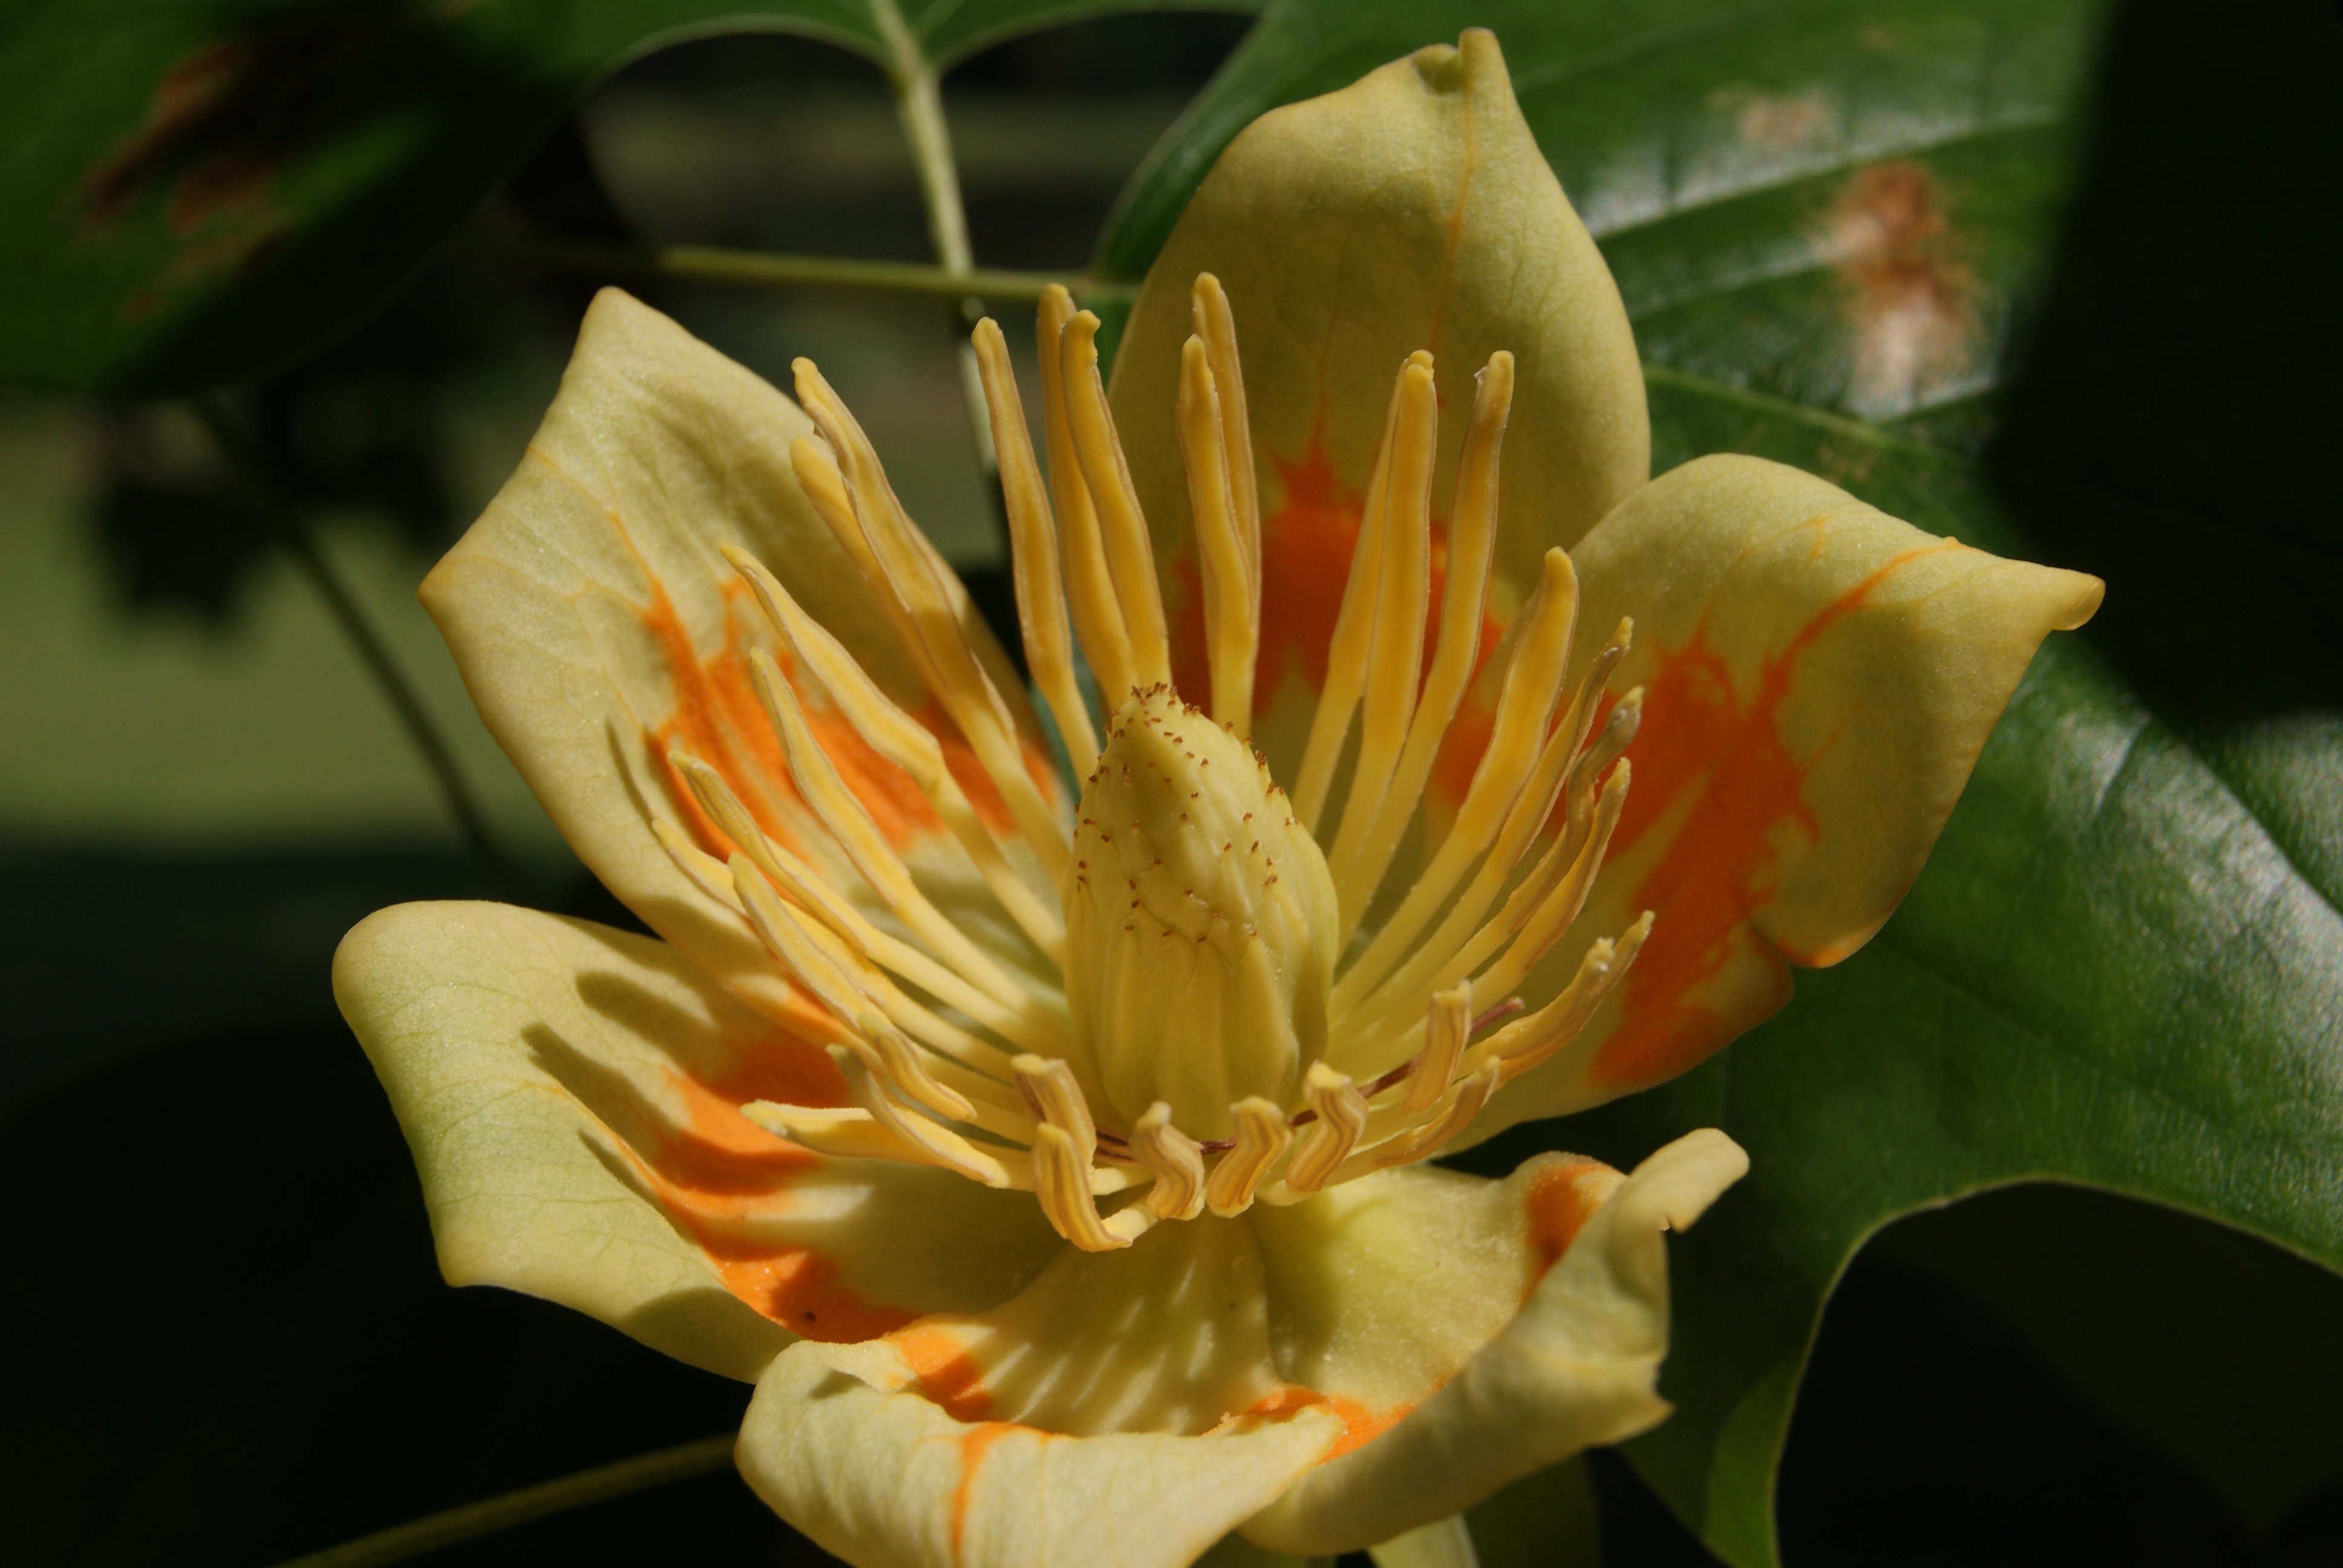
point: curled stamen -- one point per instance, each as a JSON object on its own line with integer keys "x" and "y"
{"x": 1262, "y": 1136}
{"x": 1328, "y": 1140}
{"x": 1175, "y": 1159}
{"x": 1047, "y": 1086}
{"x": 1556, "y": 1024}
{"x": 1061, "y": 1181}
{"x": 1444, "y": 1031}
{"x": 1468, "y": 1096}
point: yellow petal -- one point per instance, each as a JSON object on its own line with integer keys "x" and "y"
{"x": 1574, "y": 1367}
{"x": 598, "y": 625}
{"x": 1121, "y": 1410}
{"x": 1818, "y": 680}
{"x": 572, "y": 1096}
{"x": 1409, "y": 211}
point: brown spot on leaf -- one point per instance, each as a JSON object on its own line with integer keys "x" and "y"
{"x": 1911, "y": 300}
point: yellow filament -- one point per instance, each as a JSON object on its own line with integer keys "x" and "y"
{"x": 1395, "y": 659}
{"x": 908, "y": 1072}
{"x": 1090, "y": 585}
{"x": 1544, "y": 924}
{"x": 1532, "y": 809}
{"x": 1122, "y": 528}
{"x": 788, "y": 930}
{"x": 849, "y": 1132}
{"x": 842, "y": 813}
{"x": 1327, "y": 1142}
{"x": 1232, "y": 580}
{"x": 704, "y": 870}
{"x": 1471, "y": 538}
{"x": 1061, "y": 1181}
{"x": 1262, "y": 1136}
{"x": 1208, "y": 310}
{"x": 1467, "y": 1098}
{"x": 1346, "y": 651}
{"x": 1174, "y": 1158}
{"x": 1033, "y": 552}
{"x": 1556, "y": 1024}
{"x": 908, "y": 744}
{"x": 937, "y": 1144}
{"x": 1525, "y": 707}
{"x": 933, "y": 613}
{"x": 1445, "y": 1028}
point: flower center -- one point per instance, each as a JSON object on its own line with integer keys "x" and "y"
{"x": 1199, "y": 922}
{"x": 1225, "y": 1031}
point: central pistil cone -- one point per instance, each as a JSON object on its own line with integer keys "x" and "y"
{"x": 1201, "y": 923}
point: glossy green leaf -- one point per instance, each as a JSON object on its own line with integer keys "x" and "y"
{"x": 2055, "y": 277}
{"x": 194, "y": 193}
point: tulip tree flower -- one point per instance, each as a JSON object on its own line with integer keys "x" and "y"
{"x": 1053, "y": 1155}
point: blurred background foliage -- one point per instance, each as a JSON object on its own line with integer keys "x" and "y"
{"x": 228, "y": 1344}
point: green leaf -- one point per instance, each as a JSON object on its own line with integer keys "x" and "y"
{"x": 197, "y": 192}
{"x": 2056, "y": 277}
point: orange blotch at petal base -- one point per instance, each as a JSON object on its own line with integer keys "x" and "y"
{"x": 1305, "y": 555}
{"x": 718, "y": 1174}
{"x": 718, "y": 718}
{"x": 1719, "y": 773}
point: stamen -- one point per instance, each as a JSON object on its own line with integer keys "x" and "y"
{"x": 1232, "y": 579}
{"x": 1028, "y": 1028}
{"x": 1208, "y": 311}
{"x": 1033, "y": 552}
{"x": 848, "y": 821}
{"x": 905, "y": 742}
{"x": 1090, "y": 583}
{"x": 1471, "y": 538}
{"x": 1546, "y": 924}
{"x": 851, "y": 1132}
{"x": 704, "y": 870}
{"x": 1445, "y": 1029}
{"x": 1176, "y": 1159}
{"x": 906, "y": 1069}
{"x": 1556, "y": 1024}
{"x": 1262, "y": 1136}
{"x": 1122, "y": 528}
{"x": 1525, "y": 704}
{"x": 1395, "y": 659}
{"x": 1327, "y": 1142}
{"x": 1470, "y": 1094}
{"x": 1047, "y": 1086}
{"x": 1431, "y": 965}
{"x": 1061, "y": 1181}
{"x": 1346, "y": 651}
{"x": 933, "y": 615}
{"x": 936, "y": 1143}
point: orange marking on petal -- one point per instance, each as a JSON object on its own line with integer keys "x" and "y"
{"x": 720, "y": 719}
{"x": 972, "y": 1444}
{"x": 948, "y": 1374}
{"x": 717, "y": 1175}
{"x": 1359, "y": 1425}
{"x": 1698, "y": 747}
{"x": 1305, "y": 565}
{"x": 1561, "y": 1200}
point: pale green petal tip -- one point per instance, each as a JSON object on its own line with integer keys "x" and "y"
{"x": 1576, "y": 1368}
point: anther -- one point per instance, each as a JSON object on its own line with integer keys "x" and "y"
{"x": 1327, "y": 1142}
{"x": 1262, "y": 1136}
{"x": 1176, "y": 1161}
{"x": 1445, "y": 1029}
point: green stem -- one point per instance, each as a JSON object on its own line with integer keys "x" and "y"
{"x": 707, "y": 264}
{"x": 597, "y": 1486}
{"x": 284, "y": 520}
{"x": 919, "y": 105}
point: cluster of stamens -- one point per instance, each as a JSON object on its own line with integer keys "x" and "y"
{"x": 1225, "y": 1032}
